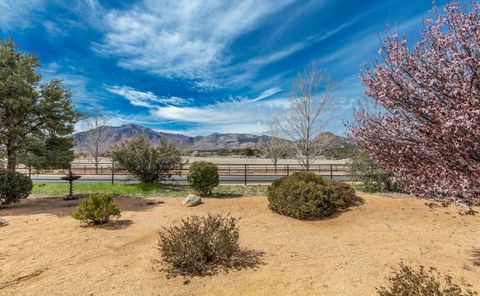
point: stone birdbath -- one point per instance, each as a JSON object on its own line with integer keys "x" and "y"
{"x": 70, "y": 177}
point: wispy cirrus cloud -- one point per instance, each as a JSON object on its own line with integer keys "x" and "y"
{"x": 145, "y": 99}
{"x": 182, "y": 39}
{"x": 17, "y": 14}
{"x": 227, "y": 115}
{"x": 267, "y": 93}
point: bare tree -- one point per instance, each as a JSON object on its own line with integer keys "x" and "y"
{"x": 276, "y": 147}
{"x": 309, "y": 99}
{"x": 96, "y": 127}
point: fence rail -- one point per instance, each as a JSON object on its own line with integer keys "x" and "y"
{"x": 235, "y": 170}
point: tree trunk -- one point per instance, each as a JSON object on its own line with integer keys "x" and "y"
{"x": 96, "y": 165}
{"x": 11, "y": 160}
{"x": 96, "y": 158}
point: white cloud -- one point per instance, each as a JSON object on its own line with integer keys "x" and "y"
{"x": 182, "y": 38}
{"x": 268, "y": 93}
{"x": 16, "y": 14}
{"x": 145, "y": 99}
{"x": 239, "y": 116}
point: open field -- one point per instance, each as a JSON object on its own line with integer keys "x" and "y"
{"x": 231, "y": 160}
{"x": 45, "y": 252}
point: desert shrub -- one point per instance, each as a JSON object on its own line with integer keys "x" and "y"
{"x": 198, "y": 244}
{"x": 373, "y": 176}
{"x": 203, "y": 177}
{"x": 96, "y": 209}
{"x": 149, "y": 164}
{"x": 13, "y": 187}
{"x": 408, "y": 281}
{"x": 308, "y": 196}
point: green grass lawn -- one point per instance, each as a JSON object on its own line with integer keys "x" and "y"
{"x": 61, "y": 189}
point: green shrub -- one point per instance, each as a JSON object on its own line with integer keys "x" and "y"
{"x": 203, "y": 177}
{"x": 96, "y": 209}
{"x": 199, "y": 244}
{"x": 149, "y": 164}
{"x": 422, "y": 282}
{"x": 13, "y": 187}
{"x": 308, "y": 196}
{"x": 373, "y": 176}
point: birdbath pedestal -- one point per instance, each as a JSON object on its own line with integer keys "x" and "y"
{"x": 70, "y": 177}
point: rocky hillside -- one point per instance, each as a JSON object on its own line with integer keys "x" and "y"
{"x": 116, "y": 135}
{"x": 330, "y": 140}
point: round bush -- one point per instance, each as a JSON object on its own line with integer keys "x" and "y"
{"x": 308, "y": 196}
{"x": 13, "y": 187}
{"x": 203, "y": 177}
{"x": 96, "y": 209}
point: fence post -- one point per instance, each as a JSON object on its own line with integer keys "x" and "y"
{"x": 30, "y": 171}
{"x": 245, "y": 175}
{"x": 288, "y": 169}
{"x": 331, "y": 171}
{"x": 113, "y": 173}
{"x": 85, "y": 169}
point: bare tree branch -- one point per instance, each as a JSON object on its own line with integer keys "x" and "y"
{"x": 96, "y": 125}
{"x": 309, "y": 98}
{"x": 276, "y": 147}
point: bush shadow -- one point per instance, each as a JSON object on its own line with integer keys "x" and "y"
{"x": 113, "y": 225}
{"x": 246, "y": 259}
{"x": 59, "y": 207}
{"x": 356, "y": 201}
{"x": 225, "y": 195}
{"x": 476, "y": 256}
{"x": 242, "y": 259}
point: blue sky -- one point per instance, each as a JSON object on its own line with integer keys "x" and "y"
{"x": 198, "y": 67}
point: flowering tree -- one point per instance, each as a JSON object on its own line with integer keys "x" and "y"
{"x": 428, "y": 129}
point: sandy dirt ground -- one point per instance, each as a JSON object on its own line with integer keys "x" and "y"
{"x": 45, "y": 252}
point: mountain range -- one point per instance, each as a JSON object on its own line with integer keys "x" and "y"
{"x": 114, "y": 135}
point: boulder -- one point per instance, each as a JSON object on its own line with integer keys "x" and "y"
{"x": 192, "y": 200}
{"x": 3, "y": 222}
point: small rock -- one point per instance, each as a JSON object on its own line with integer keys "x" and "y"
{"x": 192, "y": 200}
{"x": 3, "y": 222}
